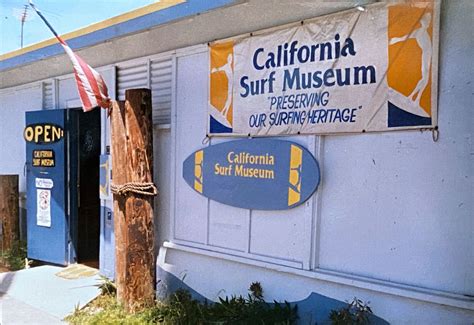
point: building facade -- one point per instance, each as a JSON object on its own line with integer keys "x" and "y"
{"x": 391, "y": 221}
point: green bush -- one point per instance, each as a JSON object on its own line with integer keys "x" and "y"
{"x": 182, "y": 309}
{"x": 107, "y": 286}
{"x": 105, "y": 310}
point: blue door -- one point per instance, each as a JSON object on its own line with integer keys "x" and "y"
{"x": 48, "y": 225}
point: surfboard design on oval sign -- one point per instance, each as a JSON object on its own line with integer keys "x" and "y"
{"x": 261, "y": 174}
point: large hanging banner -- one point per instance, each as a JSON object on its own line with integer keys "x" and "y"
{"x": 356, "y": 71}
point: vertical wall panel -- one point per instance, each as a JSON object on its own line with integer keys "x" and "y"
{"x": 191, "y": 209}
{"x": 68, "y": 95}
{"x": 284, "y": 234}
{"x": 229, "y": 227}
{"x": 162, "y": 177}
{"x": 404, "y": 203}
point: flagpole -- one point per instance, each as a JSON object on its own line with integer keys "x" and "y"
{"x": 44, "y": 20}
{"x": 90, "y": 84}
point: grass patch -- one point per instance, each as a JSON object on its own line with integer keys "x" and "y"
{"x": 105, "y": 310}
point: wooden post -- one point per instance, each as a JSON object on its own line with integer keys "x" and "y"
{"x": 9, "y": 215}
{"x": 132, "y": 159}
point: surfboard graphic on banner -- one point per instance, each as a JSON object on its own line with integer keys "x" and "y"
{"x": 355, "y": 71}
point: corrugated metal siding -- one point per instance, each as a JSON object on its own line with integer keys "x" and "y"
{"x": 156, "y": 74}
{"x": 48, "y": 102}
{"x": 131, "y": 76}
{"x": 161, "y": 71}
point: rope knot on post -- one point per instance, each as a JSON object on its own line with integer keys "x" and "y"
{"x": 135, "y": 187}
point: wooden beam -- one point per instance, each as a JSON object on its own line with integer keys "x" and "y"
{"x": 9, "y": 210}
{"x": 132, "y": 159}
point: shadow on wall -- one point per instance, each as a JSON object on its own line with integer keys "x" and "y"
{"x": 315, "y": 309}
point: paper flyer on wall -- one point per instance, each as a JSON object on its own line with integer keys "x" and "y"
{"x": 43, "y": 209}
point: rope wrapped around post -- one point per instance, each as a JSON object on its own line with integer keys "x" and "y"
{"x": 135, "y": 187}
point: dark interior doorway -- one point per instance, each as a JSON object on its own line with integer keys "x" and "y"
{"x": 89, "y": 133}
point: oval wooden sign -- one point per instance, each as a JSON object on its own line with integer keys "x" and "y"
{"x": 261, "y": 174}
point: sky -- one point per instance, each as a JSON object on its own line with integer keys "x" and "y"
{"x": 64, "y": 15}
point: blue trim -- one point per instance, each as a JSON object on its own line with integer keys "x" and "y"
{"x": 189, "y": 8}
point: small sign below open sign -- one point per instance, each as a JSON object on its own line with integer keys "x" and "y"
{"x": 43, "y": 158}
{"x": 44, "y": 183}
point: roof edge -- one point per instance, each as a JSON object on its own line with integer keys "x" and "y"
{"x": 136, "y": 21}
{"x": 163, "y": 4}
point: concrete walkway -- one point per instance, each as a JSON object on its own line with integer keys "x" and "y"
{"x": 39, "y": 296}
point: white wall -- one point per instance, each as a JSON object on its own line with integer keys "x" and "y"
{"x": 13, "y": 105}
{"x": 403, "y": 203}
{"x": 392, "y": 206}
{"x": 393, "y": 209}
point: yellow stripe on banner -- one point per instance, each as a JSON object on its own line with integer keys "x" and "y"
{"x": 294, "y": 190}
{"x": 198, "y": 177}
{"x": 163, "y": 4}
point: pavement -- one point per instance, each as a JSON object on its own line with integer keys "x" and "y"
{"x": 39, "y": 296}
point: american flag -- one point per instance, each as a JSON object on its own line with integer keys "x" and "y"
{"x": 90, "y": 84}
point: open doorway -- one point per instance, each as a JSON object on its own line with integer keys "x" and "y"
{"x": 88, "y": 231}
